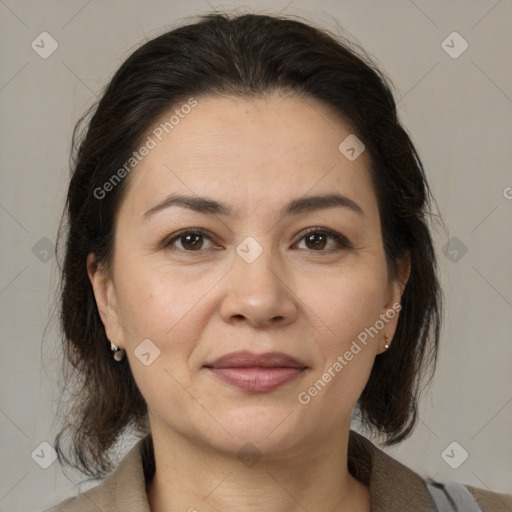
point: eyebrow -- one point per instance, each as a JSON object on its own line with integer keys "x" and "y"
{"x": 209, "y": 206}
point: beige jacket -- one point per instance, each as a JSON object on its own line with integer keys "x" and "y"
{"x": 393, "y": 486}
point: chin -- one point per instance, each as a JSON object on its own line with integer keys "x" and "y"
{"x": 271, "y": 429}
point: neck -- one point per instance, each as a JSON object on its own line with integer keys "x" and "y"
{"x": 192, "y": 477}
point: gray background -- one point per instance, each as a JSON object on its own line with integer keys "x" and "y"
{"x": 459, "y": 112}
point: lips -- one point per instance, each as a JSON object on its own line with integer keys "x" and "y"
{"x": 246, "y": 359}
{"x": 256, "y": 372}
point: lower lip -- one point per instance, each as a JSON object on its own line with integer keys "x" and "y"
{"x": 257, "y": 378}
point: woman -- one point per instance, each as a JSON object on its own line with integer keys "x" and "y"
{"x": 248, "y": 265}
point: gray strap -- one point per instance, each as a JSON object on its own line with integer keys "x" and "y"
{"x": 452, "y": 497}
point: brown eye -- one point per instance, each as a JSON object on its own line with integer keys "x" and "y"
{"x": 317, "y": 240}
{"x": 189, "y": 241}
{"x": 192, "y": 242}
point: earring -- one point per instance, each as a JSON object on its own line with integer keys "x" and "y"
{"x": 119, "y": 353}
{"x": 386, "y": 338}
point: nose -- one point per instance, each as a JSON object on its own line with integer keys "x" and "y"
{"x": 259, "y": 293}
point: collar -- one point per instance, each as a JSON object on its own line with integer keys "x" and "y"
{"x": 392, "y": 485}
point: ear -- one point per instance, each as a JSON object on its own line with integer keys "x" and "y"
{"x": 106, "y": 300}
{"x": 393, "y": 306}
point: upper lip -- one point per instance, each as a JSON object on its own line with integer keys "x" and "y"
{"x": 246, "y": 359}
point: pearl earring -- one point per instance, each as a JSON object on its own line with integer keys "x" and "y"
{"x": 119, "y": 353}
{"x": 386, "y": 338}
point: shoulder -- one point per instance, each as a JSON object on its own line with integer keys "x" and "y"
{"x": 490, "y": 501}
{"x": 394, "y": 486}
{"x": 75, "y": 504}
{"x": 124, "y": 489}
{"x": 452, "y": 495}
{"x": 89, "y": 501}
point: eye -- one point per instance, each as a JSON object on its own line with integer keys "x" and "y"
{"x": 191, "y": 240}
{"x": 316, "y": 239}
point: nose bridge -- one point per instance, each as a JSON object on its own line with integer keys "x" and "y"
{"x": 257, "y": 285}
{"x": 258, "y": 264}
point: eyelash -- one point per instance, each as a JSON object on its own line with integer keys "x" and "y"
{"x": 341, "y": 241}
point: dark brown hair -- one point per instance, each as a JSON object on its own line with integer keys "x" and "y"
{"x": 247, "y": 55}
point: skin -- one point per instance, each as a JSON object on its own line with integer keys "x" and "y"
{"x": 309, "y": 301}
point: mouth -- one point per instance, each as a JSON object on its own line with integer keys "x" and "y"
{"x": 256, "y": 372}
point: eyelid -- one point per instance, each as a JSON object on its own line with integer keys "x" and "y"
{"x": 340, "y": 239}
{"x": 186, "y": 231}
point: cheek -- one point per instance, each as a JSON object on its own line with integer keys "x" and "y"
{"x": 346, "y": 310}
{"x": 157, "y": 301}
{"x": 347, "y": 303}
{"x": 163, "y": 307}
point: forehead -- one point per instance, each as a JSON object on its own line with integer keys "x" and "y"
{"x": 248, "y": 150}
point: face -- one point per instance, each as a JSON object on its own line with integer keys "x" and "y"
{"x": 260, "y": 268}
